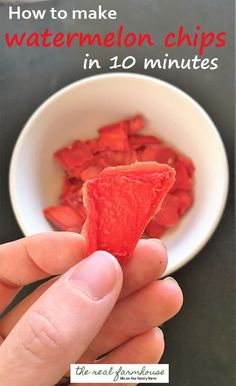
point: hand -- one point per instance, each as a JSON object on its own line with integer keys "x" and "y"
{"x": 91, "y": 309}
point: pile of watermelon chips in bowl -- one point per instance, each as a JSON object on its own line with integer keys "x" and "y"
{"x": 116, "y": 145}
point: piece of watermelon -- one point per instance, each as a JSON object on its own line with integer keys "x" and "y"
{"x": 120, "y": 202}
{"x": 70, "y": 185}
{"x": 65, "y": 218}
{"x": 158, "y": 153}
{"x": 168, "y": 215}
{"x": 154, "y": 230}
{"x": 184, "y": 172}
{"x": 90, "y": 172}
{"x": 137, "y": 141}
{"x": 116, "y": 158}
{"x": 185, "y": 199}
{"x": 74, "y": 158}
{"x": 114, "y": 137}
{"x": 135, "y": 124}
{"x": 93, "y": 145}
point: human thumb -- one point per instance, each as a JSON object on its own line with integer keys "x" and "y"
{"x": 61, "y": 324}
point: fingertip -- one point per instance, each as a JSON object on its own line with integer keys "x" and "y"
{"x": 153, "y": 250}
{"x": 159, "y": 336}
{"x": 97, "y": 276}
{"x": 176, "y": 294}
{"x": 111, "y": 257}
{"x": 156, "y": 344}
{"x": 157, "y": 331}
{"x": 159, "y": 242}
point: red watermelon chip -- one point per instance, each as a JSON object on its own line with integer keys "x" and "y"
{"x": 185, "y": 199}
{"x": 169, "y": 213}
{"x": 70, "y": 185}
{"x": 114, "y": 137}
{"x": 154, "y": 230}
{"x": 94, "y": 145}
{"x": 64, "y": 217}
{"x": 120, "y": 203}
{"x": 90, "y": 172}
{"x": 135, "y": 124}
{"x": 184, "y": 172}
{"x": 138, "y": 141}
{"x": 74, "y": 158}
{"x": 158, "y": 153}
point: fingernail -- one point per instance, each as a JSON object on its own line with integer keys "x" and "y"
{"x": 159, "y": 331}
{"x": 160, "y": 242}
{"x": 172, "y": 280}
{"x": 96, "y": 275}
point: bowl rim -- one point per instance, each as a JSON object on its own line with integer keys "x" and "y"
{"x": 50, "y": 100}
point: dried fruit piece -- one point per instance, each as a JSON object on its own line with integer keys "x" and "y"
{"x": 157, "y": 153}
{"x": 185, "y": 199}
{"x": 173, "y": 206}
{"x": 188, "y": 164}
{"x": 94, "y": 145}
{"x": 169, "y": 212}
{"x": 183, "y": 174}
{"x": 90, "y": 172}
{"x": 154, "y": 230}
{"x": 74, "y": 158}
{"x": 70, "y": 185}
{"x": 119, "y": 158}
{"x": 64, "y": 217}
{"x": 135, "y": 124}
{"x": 75, "y": 200}
{"x": 114, "y": 137}
{"x": 71, "y": 194}
{"x": 137, "y": 141}
{"x": 120, "y": 202}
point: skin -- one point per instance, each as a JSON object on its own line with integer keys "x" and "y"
{"x": 77, "y": 317}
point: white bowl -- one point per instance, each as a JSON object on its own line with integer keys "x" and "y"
{"x": 78, "y": 110}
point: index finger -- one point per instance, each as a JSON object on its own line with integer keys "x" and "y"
{"x": 37, "y": 257}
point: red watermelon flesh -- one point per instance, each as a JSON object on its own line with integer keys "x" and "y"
{"x": 184, "y": 171}
{"x": 135, "y": 124}
{"x": 137, "y": 141}
{"x": 154, "y": 230}
{"x": 114, "y": 137}
{"x": 169, "y": 213}
{"x": 157, "y": 153}
{"x": 74, "y": 158}
{"x": 64, "y": 217}
{"x": 120, "y": 202}
{"x": 185, "y": 199}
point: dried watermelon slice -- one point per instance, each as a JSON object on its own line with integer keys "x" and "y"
{"x": 135, "y": 124}
{"x": 74, "y": 158}
{"x": 185, "y": 199}
{"x": 154, "y": 230}
{"x": 137, "y": 141}
{"x": 157, "y": 153}
{"x": 169, "y": 213}
{"x": 114, "y": 137}
{"x": 116, "y": 158}
{"x": 64, "y": 217}
{"x": 120, "y": 202}
{"x": 90, "y": 172}
{"x": 184, "y": 171}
